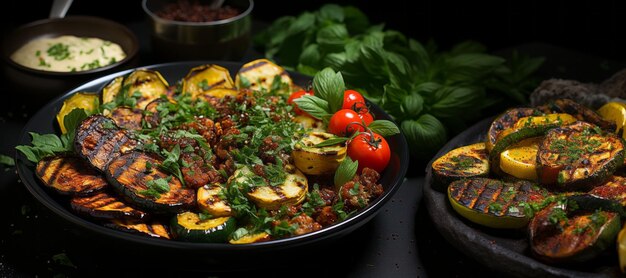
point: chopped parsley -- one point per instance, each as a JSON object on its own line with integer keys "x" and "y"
{"x": 59, "y": 51}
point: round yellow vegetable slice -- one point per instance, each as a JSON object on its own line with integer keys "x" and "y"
{"x": 84, "y": 100}
{"x": 615, "y": 112}
{"x": 520, "y": 160}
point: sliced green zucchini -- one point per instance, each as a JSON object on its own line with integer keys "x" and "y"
{"x": 578, "y": 157}
{"x": 105, "y": 205}
{"x": 251, "y": 238}
{"x": 313, "y": 160}
{"x": 127, "y": 118}
{"x": 507, "y": 120}
{"x": 579, "y": 111}
{"x": 110, "y": 91}
{"x": 69, "y": 175}
{"x": 209, "y": 201}
{"x": 81, "y": 100}
{"x": 188, "y": 226}
{"x": 494, "y": 203}
{"x": 206, "y": 77}
{"x": 460, "y": 163}
{"x": 291, "y": 192}
{"x": 591, "y": 202}
{"x": 137, "y": 177}
{"x": 260, "y": 74}
{"x": 144, "y": 85}
{"x": 152, "y": 229}
{"x": 558, "y": 234}
{"x": 99, "y": 140}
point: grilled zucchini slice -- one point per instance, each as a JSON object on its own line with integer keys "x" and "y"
{"x": 494, "y": 203}
{"x": 110, "y": 91}
{"x": 127, "y": 118}
{"x": 462, "y": 162}
{"x": 69, "y": 175}
{"x": 291, "y": 192}
{"x": 209, "y": 201}
{"x": 99, "y": 140}
{"x": 313, "y": 160}
{"x": 579, "y": 111}
{"x": 205, "y": 78}
{"x": 260, "y": 74}
{"x": 558, "y": 234}
{"x": 507, "y": 120}
{"x": 85, "y": 100}
{"x": 144, "y": 85}
{"x": 188, "y": 226}
{"x": 578, "y": 157}
{"x": 137, "y": 177}
{"x": 105, "y": 205}
{"x": 310, "y": 123}
{"x": 251, "y": 238}
{"x": 152, "y": 229}
{"x": 520, "y": 159}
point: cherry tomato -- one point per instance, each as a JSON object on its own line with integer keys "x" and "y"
{"x": 352, "y": 98}
{"x": 296, "y": 95}
{"x": 371, "y": 150}
{"x": 364, "y": 113}
{"x": 345, "y": 122}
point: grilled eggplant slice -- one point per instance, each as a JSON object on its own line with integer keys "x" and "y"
{"x": 494, "y": 203}
{"x": 153, "y": 229}
{"x": 149, "y": 85}
{"x": 460, "y": 163}
{"x": 188, "y": 226}
{"x": 209, "y": 201}
{"x": 561, "y": 235}
{"x": 81, "y": 100}
{"x": 578, "y": 157}
{"x": 251, "y": 238}
{"x": 99, "y": 140}
{"x": 127, "y": 118}
{"x": 579, "y": 111}
{"x": 205, "y": 78}
{"x": 105, "y": 205}
{"x": 313, "y": 160}
{"x": 613, "y": 189}
{"x": 69, "y": 175}
{"x": 137, "y": 177}
{"x": 507, "y": 120}
{"x": 260, "y": 74}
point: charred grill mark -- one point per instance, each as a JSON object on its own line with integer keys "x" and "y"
{"x": 253, "y": 66}
{"x": 218, "y": 83}
{"x": 125, "y": 162}
{"x": 489, "y": 194}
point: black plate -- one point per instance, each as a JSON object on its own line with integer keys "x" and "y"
{"x": 505, "y": 251}
{"x": 44, "y": 122}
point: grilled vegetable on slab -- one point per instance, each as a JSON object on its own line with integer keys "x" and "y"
{"x": 260, "y": 75}
{"x": 84, "y": 100}
{"x": 580, "y": 112}
{"x": 205, "y": 78}
{"x": 209, "y": 201}
{"x": 494, "y": 203}
{"x": 520, "y": 159}
{"x": 151, "y": 229}
{"x": 578, "y": 157}
{"x": 127, "y": 118}
{"x": 463, "y": 162}
{"x": 189, "y": 226}
{"x": 69, "y": 175}
{"x": 559, "y": 234}
{"x": 251, "y": 238}
{"x": 313, "y": 160}
{"x": 137, "y": 177}
{"x": 99, "y": 140}
{"x": 105, "y": 205}
{"x": 507, "y": 120}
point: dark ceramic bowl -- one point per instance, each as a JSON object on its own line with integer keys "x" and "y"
{"x": 42, "y": 86}
{"x": 211, "y": 253}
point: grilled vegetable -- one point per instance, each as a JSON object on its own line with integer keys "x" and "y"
{"x": 507, "y": 120}
{"x": 69, "y": 175}
{"x": 621, "y": 249}
{"x": 151, "y": 114}
{"x": 494, "y": 203}
{"x": 561, "y": 235}
{"x": 526, "y": 127}
{"x": 154, "y": 229}
{"x": 613, "y": 189}
{"x": 463, "y": 162}
{"x": 110, "y": 91}
{"x": 291, "y": 192}
{"x": 128, "y": 118}
{"x": 84, "y": 100}
{"x": 313, "y": 160}
{"x": 219, "y": 93}
{"x": 188, "y": 226}
{"x": 136, "y": 176}
{"x": 310, "y": 123}
{"x": 208, "y": 198}
{"x": 251, "y": 238}
{"x": 520, "y": 159}
{"x": 145, "y": 85}
{"x": 99, "y": 140}
{"x": 260, "y": 75}
{"x": 580, "y": 112}
{"x": 591, "y": 202}
{"x": 615, "y": 112}
{"x": 105, "y": 205}
{"x": 205, "y": 78}
{"x": 578, "y": 157}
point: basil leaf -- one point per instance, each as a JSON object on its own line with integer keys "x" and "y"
{"x": 28, "y": 152}
{"x": 332, "y": 12}
{"x": 426, "y": 135}
{"x": 315, "y": 106}
{"x": 332, "y": 38}
{"x": 346, "y": 171}
{"x": 71, "y": 121}
{"x": 311, "y": 56}
{"x": 356, "y": 21}
{"x": 331, "y": 141}
{"x": 384, "y": 127}
{"x": 6, "y": 160}
{"x": 412, "y": 105}
{"x": 329, "y": 86}
{"x": 454, "y": 100}
{"x": 474, "y": 60}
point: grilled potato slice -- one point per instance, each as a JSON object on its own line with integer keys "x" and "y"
{"x": 153, "y": 229}
{"x": 205, "y": 78}
{"x": 260, "y": 74}
{"x": 99, "y": 140}
{"x": 209, "y": 201}
{"x": 69, "y": 175}
{"x": 462, "y": 162}
{"x": 313, "y": 160}
{"x": 105, "y": 205}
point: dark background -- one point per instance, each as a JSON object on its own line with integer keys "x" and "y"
{"x": 593, "y": 27}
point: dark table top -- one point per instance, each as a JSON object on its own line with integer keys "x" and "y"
{"x": 400, "y": 241}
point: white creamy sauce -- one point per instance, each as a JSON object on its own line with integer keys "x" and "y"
{"x": 68, "y": 53}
